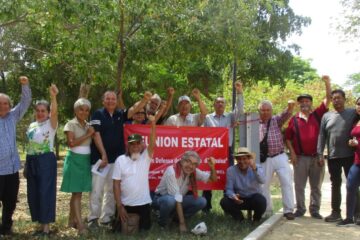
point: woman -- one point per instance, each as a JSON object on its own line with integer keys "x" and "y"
{"x": 353, "y": 178}
{"x": 77, "y": 172}
{"x": 41, "y": 163}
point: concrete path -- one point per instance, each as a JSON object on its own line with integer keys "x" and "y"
{"x": 308, "y": 228}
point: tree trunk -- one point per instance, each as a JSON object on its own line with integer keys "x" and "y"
{"x": 122, "y": 54}
{"x": 84, "y": 90}
{"x": 3, "y": 80}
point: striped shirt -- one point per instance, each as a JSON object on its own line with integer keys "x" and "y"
{"x": 9, "y": 156}
{"x": 274, "y": 138}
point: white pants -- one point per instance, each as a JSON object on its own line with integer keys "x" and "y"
{"x": 280, "y": 165}
{"x": 102, "y": 202}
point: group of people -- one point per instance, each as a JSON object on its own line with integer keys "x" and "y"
{"x": 122, "y": 191}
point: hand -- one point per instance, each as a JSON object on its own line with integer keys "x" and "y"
{"x": 104, "y": 161}
{"x": 24, "y": 80}
{"x": 236, "y": 124}
{"x": 325, "y": 78}
{"x": 182, "y": 228}
{"x": 321, "y": 162}
{"x": 53, "y": 90}
{"x": 291, "y": 105}
{"x": 196, "y": 94}
{"x": 90, "y": 131}
{"x": 123, "y": 214}
{"x": 211, "y": 162}
{"x": 151, "y": 118}
{"x": 163, "y": 104}
{"x": 252, "y": 162}
{"x": 171, "y": 91}
{"x": 238, "y": 87}
{"x": 147, "y": 95}
{"x": 237, "y": 199}
{"x": 353, "y": 142}
{"x": 293, "y": 158}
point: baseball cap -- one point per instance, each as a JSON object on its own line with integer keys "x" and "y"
{"x": 308, "y": 96}
{"x": 184, "y": 98}
{"x": 134, "y": 138}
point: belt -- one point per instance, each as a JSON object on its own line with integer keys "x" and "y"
{"x": 276, "y": 154}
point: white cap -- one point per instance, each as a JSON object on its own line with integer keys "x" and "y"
{"x": 184, "y": 98}
{"x": 200, "y": 229}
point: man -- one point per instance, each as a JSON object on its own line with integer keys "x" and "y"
{"x": 170, "y": 194}
{"x": 335, "y": 131}
{"x": 276, "y": 160}
{"x": 221, "y": 119}
{"x": 243, "y": 187}
{"x": 9, "y": 156}
{"x": 107, "y": 145}
{"x": 131, "y": 179}
{"x": 301, "y": 139}
{"x": 184, "y": 117}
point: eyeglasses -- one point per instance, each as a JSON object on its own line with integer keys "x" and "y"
{"x": 140, "y": 113}
{"x": 195, "y": 164}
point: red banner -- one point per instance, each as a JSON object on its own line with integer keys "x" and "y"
{"x": 172, "y": 142}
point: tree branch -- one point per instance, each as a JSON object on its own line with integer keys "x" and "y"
{"x": 14, "y": 21}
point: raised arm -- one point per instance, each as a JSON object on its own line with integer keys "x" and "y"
{"x": 202, "y": 106}
{"x": 54, "y": 106}
{"x": 152, "y": 141}
{"x": 327, "y": 99}
{"x": 137, "y": 106}
{"x": 286, "y": 114}
{"x": 20, "y": 109}
{"x": 120, "y": 103}
{"x": 171, "y": 92}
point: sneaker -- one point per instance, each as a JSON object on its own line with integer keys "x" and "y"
{"x": 333, "y": 217}
{"x": 347, "y": 222}
{"x": 316, "y": 215}
{"x": 298, "y": 213}
{"x": 93, "y": 224}
{"x": 289, "y": 216}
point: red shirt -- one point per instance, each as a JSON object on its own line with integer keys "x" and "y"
{"x": 309, "y": 131}
{"x": 355, "y": 132}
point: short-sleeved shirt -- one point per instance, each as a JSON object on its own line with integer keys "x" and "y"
{"x": 308, "y": 131}
{"x": 178, "y": 187}
{"x": 41, "y": 137}
{"x": 79, "y": 130}
{"x": 190, "y": 120}
{"x": 134, "y": 176}
{"x": 111, "y": 130}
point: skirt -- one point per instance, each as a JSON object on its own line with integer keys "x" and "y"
{"x": 76, "y": 173}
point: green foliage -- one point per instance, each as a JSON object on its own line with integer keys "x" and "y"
{"x": 354, "y": 82}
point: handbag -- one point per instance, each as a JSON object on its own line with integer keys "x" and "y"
{"x": 264, "y": 148}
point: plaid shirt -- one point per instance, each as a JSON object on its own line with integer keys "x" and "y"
{"x": 9, "y": 156}
{"x": 274, "y": 138}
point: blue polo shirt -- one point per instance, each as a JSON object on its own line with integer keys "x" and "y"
{"x": 111, "y": 130}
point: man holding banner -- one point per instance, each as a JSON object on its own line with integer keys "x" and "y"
{"x": 170, "y": 194}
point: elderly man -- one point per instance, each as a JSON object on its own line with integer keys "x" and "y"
{"x": 131, "y": 179}
{"x": 301, "y": 139}
{"x": 184, "y": 117}
{"x": 243, "y": 187}
{"x": 170, "y": 194}
{"x": 335, "y": 131}
{"x": 9, "y": 156}
{"x": 108, "y": 144}
{"x": 221, "y": 119}
{"x": 276, "y": 159}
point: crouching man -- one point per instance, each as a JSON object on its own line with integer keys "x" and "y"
{"x": 131, "y": 182}
{"x": 243, "y": 190}
{"x": 170, "y": 194}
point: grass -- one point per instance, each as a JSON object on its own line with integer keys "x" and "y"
{"x": 219, "y": 225}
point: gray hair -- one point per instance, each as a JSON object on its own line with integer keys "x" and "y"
{"x": 42, "y": 103}
{"x": 7, "y": 98}
{"x": 108, "y": 92}
{"x": 156, "y": 96}
{"x": 82, "y": 102}
{"x": 264, "y": 102}
{"x": 221, "y": 98}
{"x": 189, "y": 154}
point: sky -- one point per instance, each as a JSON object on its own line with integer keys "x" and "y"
{"x": 321, "y": 43}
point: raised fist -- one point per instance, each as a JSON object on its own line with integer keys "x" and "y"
{"x": 24, "y": 80}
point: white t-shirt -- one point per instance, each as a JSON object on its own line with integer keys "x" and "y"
{"x": 190, "y": 120}
{"x": 41, "y": 137}
{"x": 134, "y": 176}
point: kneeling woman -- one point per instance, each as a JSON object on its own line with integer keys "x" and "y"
{"x": 77, "y": 172}
{"x": 40, "y": 169}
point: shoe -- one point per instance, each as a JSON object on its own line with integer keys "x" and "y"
{"x": 289, "y": 216}
{"x": 333, "y": 217}
{"x": 347, "y": 222}
{"x": 93, "y": 224}
{"x": 298, "y": 213}
{"x": 316, "y": 215}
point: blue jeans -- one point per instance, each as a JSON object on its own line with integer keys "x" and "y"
{"x": 166, "y": 204}
{"x": 352, "y": 186}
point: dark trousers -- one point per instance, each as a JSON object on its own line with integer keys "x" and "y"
{"x": 352, "y": 192}
{"x": 208, "y": 193}
{"x": 9, "y": 188}
{"x": 256, "y": 202}
{"x": 335, "y": 166}
{"x": 144, "y": 212}
{"x": 41, "y": 187}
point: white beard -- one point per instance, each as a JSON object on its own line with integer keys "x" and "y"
{"x": 135, "y": 156}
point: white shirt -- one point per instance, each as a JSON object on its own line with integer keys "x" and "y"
{"x": 190, "y": 120}
{"x": 134, "y": 176}
{"x": 178, "y": 187}
{"x": 41, "y": 137}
